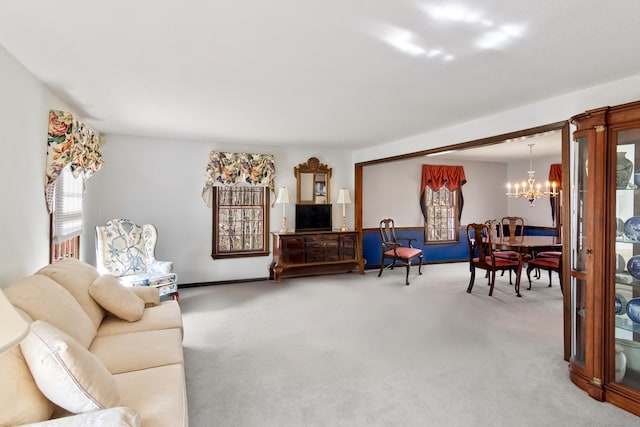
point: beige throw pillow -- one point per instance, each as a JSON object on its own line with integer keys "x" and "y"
{"x": 67, "y": 373}
{"x": 117, "y": 299}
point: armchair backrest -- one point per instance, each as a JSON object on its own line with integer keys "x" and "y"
{"x": 388, "y": 233}
{"x": 124, "y": 248}
{"x": 515, "y": 226}
{"x": 479, "y": 239}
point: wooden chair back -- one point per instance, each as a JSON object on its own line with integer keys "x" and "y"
{"x": 514, "y": 226}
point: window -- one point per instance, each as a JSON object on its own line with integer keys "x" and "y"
{"x": 240, "y": 221}
{"x": 66, "y": 219}
{"x": 441, "y": 224}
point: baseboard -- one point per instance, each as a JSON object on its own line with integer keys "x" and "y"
{"x": 220, "y": 282}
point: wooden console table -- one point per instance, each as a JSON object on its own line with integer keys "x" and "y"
{"x": 315, "y": 252}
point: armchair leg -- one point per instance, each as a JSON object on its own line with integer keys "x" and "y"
{"x": 473, "y": 276}
{"x": 407, "y": 277}
{"x": 381, "y": 267}
{"x": 493, "y": 282}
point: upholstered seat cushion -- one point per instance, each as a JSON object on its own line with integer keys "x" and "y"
{"x": 167, "y": 315}
{"x": 404, "y": 252}
{"x": 138, "y": 350}
{"x": 154, "y": 394}
{"x": 500, "y": 262}
{"x": 545, "y": 262}
{"x": 549, "y": 254}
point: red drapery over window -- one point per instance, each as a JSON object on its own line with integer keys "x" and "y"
{"x": 555, "y": 174}
{"x": 436, "y": 176}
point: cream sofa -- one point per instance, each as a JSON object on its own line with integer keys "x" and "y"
{"x": 139, "y": 363}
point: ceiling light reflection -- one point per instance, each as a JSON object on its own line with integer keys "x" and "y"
{"x": 499, "y": 38}
{"x": 454, "y": 13}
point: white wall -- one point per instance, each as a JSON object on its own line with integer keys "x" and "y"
{"x": 391, "y": 190}
{"x": 158, "y": 181}
{"x": 24, "y": 114}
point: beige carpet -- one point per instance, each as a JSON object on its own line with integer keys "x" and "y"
{"x": 352, "y": 350}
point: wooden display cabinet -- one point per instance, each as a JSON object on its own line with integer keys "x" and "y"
{"x": 605, "y": 236}
{"x": 315, "y": 252}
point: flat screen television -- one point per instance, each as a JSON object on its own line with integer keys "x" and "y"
{"x": 313, "y": 217}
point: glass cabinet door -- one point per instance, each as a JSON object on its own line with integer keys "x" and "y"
{"x": 626, "y": 303}
{"x": 579, "y": 216}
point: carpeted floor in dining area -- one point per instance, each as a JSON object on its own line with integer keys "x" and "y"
{"x": 358, "y": 350}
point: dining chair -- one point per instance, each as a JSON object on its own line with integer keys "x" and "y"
{"x": 481, "y": 256}
{"x": 393, "y": 250}
{"x": 514, "y": 226}
{"x": 550, "y": 263}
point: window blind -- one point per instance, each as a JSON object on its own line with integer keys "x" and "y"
{"x": 68, "y": 207}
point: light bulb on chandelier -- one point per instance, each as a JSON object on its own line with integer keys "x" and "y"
{"x": 530, "y": 190}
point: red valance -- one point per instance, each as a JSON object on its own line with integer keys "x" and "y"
{"x": 435, "y": 176}
{"x": 555, "y": 174}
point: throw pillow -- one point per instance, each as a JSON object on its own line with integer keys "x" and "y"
{"x": 67, "y": 373}
{"x": 117, "y": 299}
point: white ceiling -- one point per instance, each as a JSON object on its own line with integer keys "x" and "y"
{"x": 546, "y": 144}
{"x": 330, "y": 73}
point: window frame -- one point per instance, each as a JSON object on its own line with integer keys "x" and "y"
{"x": 216, "y": 251}
{"x": 69, "y": 247}
{"x": 455, "y": 213}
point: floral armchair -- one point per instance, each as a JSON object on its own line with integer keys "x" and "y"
{"x": 127, "y": 251}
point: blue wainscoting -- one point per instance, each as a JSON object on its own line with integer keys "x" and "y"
{"x": 453, "y": 252}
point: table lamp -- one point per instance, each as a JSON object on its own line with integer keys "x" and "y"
{"x": 283, "y": 199}
{"x": 344, "y": 198}
{"x": 13, "y": 327}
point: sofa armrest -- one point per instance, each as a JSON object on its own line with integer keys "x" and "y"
{"x": 118, "y": 416}
{"x": 163, "y": 267}
{"x": 148, "y": 294}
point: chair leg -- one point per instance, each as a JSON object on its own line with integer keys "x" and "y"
{"x": 407, "y": 277}
{"x": 420, "y": 265}
{"x": 493, "y": 282}
{"x": 549, "y": 278}
{"x": 529, "y": 277}
{"x": 381, "y": 267}
{"x": 473, "y": 277}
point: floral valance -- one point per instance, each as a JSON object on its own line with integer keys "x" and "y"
{"x": 238, "y": 168}
{"x": 70, "y": 142}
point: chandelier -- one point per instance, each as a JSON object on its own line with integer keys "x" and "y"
{"x": 529, "y": 189}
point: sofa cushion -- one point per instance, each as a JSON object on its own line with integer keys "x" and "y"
{"x": 157, "y": 394}
{"x": 32, "y": 405}
{"x": 43, "y": 299}
{"x": 67, "y": 373}
{"x": 138, "y": 350}
{"x": 116, "y": 299}
{"x": 76, "y": 276}
{"x": 167, "y": 315}
{"x": 118, "y": 416}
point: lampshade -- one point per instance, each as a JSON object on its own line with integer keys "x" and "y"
{"x": 13, "y": 327}
{"x": 343, "y": 196}
{"x": 283, "y": 195}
